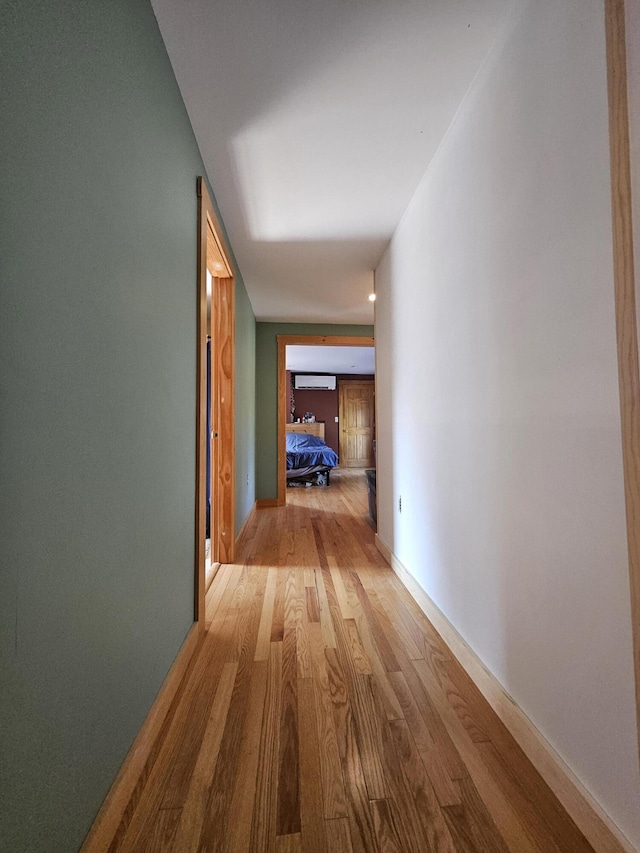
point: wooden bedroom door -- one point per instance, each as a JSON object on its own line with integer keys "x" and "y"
{"x": 357, "y": 424}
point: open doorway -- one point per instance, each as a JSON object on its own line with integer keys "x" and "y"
{"x": 312, "y": 405}
{"x": 215, "y": 470}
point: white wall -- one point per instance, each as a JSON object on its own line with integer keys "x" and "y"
{"x": 497, "y": 394}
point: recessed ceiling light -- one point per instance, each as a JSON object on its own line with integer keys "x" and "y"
{"x": 372, "y": 297}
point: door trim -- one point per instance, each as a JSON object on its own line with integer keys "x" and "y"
{"x": 304, "y": 340}
{"x": 213, "y": 253}
{"x": 625, "y": 305}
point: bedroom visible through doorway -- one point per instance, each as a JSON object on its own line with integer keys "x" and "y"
{"x": 311, "y": 372}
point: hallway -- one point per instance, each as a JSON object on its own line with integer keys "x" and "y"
{"x": 322, "y": 712}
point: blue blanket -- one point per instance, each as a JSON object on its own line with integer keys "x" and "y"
{"x": 305, "y": 451}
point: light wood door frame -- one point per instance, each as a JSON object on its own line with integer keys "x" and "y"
{"x": 344, "y": 384}
{"x": 625, "y": 304}
{"x": 301, "y": 340}
{"x": 219, "y": 324}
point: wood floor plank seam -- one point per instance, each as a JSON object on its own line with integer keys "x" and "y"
{"x": 323, "y": 712}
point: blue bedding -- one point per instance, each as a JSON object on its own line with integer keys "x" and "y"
{"x": 307, "y": 451}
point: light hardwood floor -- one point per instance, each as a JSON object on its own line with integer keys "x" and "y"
{"x": 322, "y": 712}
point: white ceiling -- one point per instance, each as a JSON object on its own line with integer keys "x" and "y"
{"x": 316, "y": 121}
{"x": 327, "y": 359}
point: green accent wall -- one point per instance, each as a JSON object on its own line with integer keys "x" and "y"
{"x": 245, "y": 390}
{"x": 97, "y": 401}
{"x": 267, "y": 392}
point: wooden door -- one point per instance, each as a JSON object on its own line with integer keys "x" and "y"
{"x": 222, "y": 451}
{"x": 216, "y": 312}
{"x": 356, "y": 416}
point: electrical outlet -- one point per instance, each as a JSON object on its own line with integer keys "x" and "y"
{"x": 336, "y": 419}
{"x": 400, "y": 504}
{"x": 247, "y": 478}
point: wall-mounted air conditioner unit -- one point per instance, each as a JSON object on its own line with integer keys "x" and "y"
{"x": 314, "y": 383}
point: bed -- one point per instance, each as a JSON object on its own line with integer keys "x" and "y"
{"x": 309, "y": 459}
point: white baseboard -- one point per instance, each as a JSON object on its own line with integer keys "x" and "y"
{"x": 597, "y": 827}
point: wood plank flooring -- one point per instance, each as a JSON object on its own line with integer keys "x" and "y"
{"x": 322, "y": 712}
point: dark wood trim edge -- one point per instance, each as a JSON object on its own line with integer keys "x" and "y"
{"x": 625, "y": 305}
{"x": 266, "y": 503}
{"x": 246, "y": 524}
{"x": 282, "y": 417}
{"x": 214, "y": 571}
{"x": 201, "y": 415}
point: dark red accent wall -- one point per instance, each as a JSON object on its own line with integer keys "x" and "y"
{"x": 324, "y": 405}
{"x": 288, "y": 409}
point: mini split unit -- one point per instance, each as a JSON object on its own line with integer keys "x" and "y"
{"x": 315, "y": 383}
